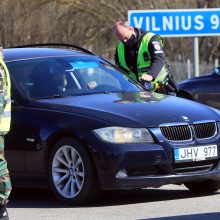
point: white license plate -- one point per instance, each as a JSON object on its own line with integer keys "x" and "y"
{"x": 199, "y": 153}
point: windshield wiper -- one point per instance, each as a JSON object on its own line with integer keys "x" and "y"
{"x": 94, "y": 93}
{"x": 103, "y": 92}
{"x": 79, "y": 94}
{"x": 50, "y": 97}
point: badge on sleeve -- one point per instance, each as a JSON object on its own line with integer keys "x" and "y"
{"x": 157, "y": 47}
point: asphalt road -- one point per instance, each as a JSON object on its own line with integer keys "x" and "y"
{"x": 165, "y": 203}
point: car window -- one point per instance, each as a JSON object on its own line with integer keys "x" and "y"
{"x": 95, "y": 77}
{"x": 66, "y": 76}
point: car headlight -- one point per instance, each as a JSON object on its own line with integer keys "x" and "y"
{"x": 124, "y": 135}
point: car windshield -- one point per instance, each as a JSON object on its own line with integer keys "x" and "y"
{"x": 68, "y": 76}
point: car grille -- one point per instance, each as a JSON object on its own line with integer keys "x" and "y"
{"x": 205, "y": 130}
{"x": 177, "y": 133}
{"x": 186, "y": 132}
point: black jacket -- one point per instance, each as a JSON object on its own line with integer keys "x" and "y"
{"x": 156, "y": 51}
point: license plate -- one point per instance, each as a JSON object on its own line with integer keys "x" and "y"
{"x": 199, "y": 153}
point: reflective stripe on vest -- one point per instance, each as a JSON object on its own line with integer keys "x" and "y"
{"x": 121, "y": 59}
{"x": 5, "y": 118}
{"x": 141, "y": 62}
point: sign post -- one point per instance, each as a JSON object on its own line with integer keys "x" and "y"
{"x": 196, "y": 56}
{"x": 179, "y": 23}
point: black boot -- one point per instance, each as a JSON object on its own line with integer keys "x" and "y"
{"x": 3, "y": 213}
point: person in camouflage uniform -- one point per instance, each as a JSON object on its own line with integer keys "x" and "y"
{"x": 5, "y": 117}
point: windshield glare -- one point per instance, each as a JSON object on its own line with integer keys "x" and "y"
{"x": 67, "y": 76}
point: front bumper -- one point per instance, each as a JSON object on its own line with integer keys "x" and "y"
{"x": 147, "y": 165}
{"x": 157, "y": 181}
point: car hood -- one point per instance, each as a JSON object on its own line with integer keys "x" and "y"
{"x": 131, "y": 109}
{"x": 205, "y": 76}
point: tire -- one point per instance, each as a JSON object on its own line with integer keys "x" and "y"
{"x": 207, "y": 186}
{"x": 71, "y": 173}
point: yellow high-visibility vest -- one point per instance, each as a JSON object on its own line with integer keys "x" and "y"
{"x": 5, "y": 117}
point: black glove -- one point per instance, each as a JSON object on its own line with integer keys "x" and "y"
{"x": 147, "y": 85}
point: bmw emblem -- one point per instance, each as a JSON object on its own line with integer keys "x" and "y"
{"x": 185, "y": 118}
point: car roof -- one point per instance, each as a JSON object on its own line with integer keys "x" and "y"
{"x": 13, "y": 54}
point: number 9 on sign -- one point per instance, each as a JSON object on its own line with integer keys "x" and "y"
{"x": 214, "y": 19}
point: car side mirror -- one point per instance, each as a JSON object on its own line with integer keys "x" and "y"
{"x": 216, "y": 71}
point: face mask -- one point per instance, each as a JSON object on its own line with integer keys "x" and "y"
{"x": 131, "y": 41}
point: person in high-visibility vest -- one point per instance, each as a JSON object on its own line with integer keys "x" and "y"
{"x": 5, "y": 117}
{"x": 141, "y": 55}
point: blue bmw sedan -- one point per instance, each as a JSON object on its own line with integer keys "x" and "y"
{"x": 80, "y": 125}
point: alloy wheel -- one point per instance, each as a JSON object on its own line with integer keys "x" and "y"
{"x": 68, "y": 171}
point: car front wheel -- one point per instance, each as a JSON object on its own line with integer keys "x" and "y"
{"x": 71, "y": 173}
{"x": 207, "y": 186}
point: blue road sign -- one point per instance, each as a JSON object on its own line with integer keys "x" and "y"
{"x": 177, "y": 23}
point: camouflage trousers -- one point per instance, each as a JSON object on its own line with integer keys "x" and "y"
{"x": 5, "y": 182}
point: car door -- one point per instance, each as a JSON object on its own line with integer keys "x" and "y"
{"x": 23, "y": 142}
{"x": 14, "y": 142}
